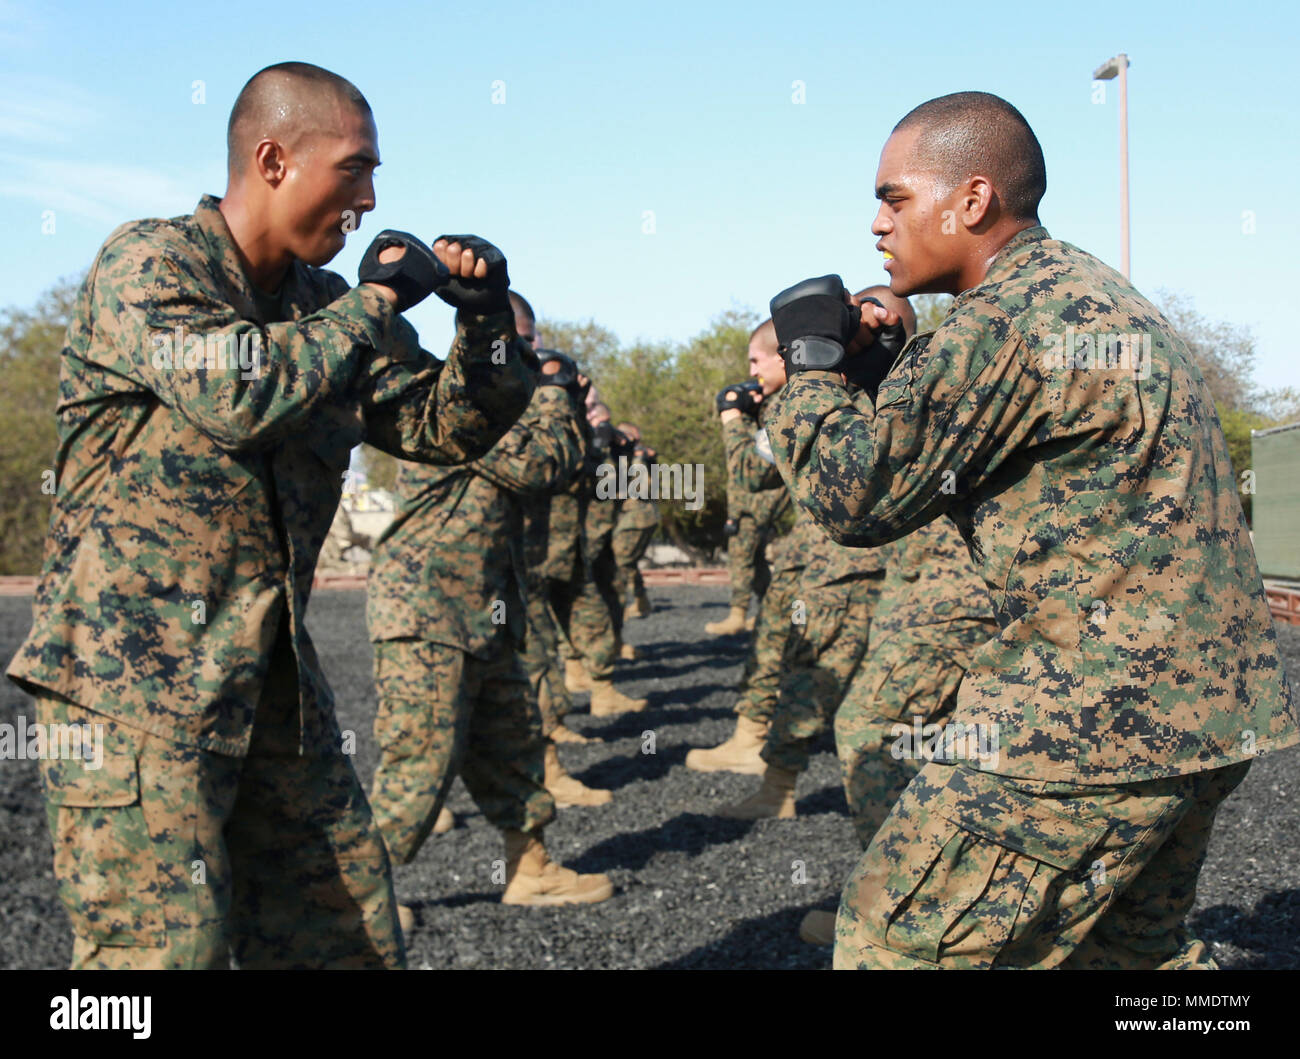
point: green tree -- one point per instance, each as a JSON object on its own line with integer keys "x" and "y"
{"x": 379, "y": 467}
{"x": 667, "y": 390}
{"x": 930, "y": 310}
{"x": 1237, "y": 424}
{"x": 1225, "y": 352}
{"x": 30, "y": 345}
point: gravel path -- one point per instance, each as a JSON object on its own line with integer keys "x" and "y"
{"x": 694, "y": 890}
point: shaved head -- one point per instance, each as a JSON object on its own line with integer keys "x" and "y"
{"x": 525, "y": 320}
{"x": 890, "y": 300}
{"x": 289, "y": 103}
{"x": 764, "y": 335}
{"x": 521, "y": 307}
{"x": 765, "y": 363}
{"x": 969, "y": 133}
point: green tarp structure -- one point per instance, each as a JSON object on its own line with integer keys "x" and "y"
{"x": 1275, "y": 459}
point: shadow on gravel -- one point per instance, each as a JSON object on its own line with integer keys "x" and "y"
{"x": 765, "y": 943}
{"x": 688, "y": 833}
{"x": 1270, "y": 933}
{"x": 625, "y": 724}
{"x": 614, "y": 772}
{"x": 659, "y": 671}
{"x": 674, "y": 711}
{"x": 490, "y": 897}
{"x": 829, "y": 799}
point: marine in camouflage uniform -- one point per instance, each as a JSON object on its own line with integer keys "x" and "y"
{"x": 542, "y": 647}
{"x": 445, "y": 608}
{"x": 193, "y": 497}
{"x": 812, "y": 632}
{"x": 933, "y": 614}
{"x": 1136, "y": 672}
{"x": 583, "y": 616}
{"x": 638, "y": 519}
{"x": 787, "y": 557}
{"x": 751, "y": 529}
{"x": 598, "y": 606}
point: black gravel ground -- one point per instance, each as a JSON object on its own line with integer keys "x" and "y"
{"x": 693, "y": 890}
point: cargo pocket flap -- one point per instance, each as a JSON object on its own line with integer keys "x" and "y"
{"x": 74, "y": 782}
{"x": 985, "y": 806}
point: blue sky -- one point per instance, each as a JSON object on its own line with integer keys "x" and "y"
{"x": 613, "y": 113}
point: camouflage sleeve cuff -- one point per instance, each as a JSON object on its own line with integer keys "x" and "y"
{"x": 377, "y": 323}
{"x": 823, "y": 386}
{"x": 481, "y": 333}
{"x": 742, "y": 428}
{"x": 553, "y": 401}
{"x": 821, "y": 378}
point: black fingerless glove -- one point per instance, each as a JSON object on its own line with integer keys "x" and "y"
{"x": 567, "y": 374}
{"x": 814, "y": 322}
{"x": 868, "y": 368}
{"x": 479, "y": 296}
{"x": 743, "y": 396}
{"x": 412, "y": 277}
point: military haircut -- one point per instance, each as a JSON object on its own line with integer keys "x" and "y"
{"x": 966, "y": 133}
{"x": 287, "y": 102}
{"x": 519, "y": 304}
{"x": 764, "y": 333}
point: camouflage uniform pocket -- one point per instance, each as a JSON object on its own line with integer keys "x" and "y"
{"x": 983, "y": 871}
{"x": 1021, "y": 853}
{"x": 103, "y": 853}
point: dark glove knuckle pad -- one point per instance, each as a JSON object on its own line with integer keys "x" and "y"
{"x": 480, "y": 296}
{"x": 566, "y": 376}
{"x": 742, "y": 396}
{"x": 412, "y": 277}
{"x": 813, "y": 323}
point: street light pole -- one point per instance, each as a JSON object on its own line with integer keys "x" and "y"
{"x": 1118, "y": 67}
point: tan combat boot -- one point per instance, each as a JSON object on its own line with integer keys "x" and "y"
{"x": 640, "y": 605}
{"x": 606, "y": 700}
{"x": 738, "y": 753}
{"x": 405, "y": 920}
{"x": 532, "y": 878}
{"x": 567, "y": 791}
{"x": 445, "y": 821}
{"x": 575, "y": 676}
{"x": 775, "y": 798}
{"x": 733, "y": 623}
{"x": 818, "y": 928}
{"x": 564, "y": 734}
{"x": 627, "y": 652}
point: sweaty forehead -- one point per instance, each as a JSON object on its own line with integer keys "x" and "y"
{"x": 341, "y": 128}
{"x": 901, "y": 167}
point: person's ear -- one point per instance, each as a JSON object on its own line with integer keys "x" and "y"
{"x": 269, "y": 162}
{"x": 978, "y": 202}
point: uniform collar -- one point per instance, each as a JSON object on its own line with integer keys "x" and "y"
{"x": 1004, "y": 262}
{"x": 222, "y": 252}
